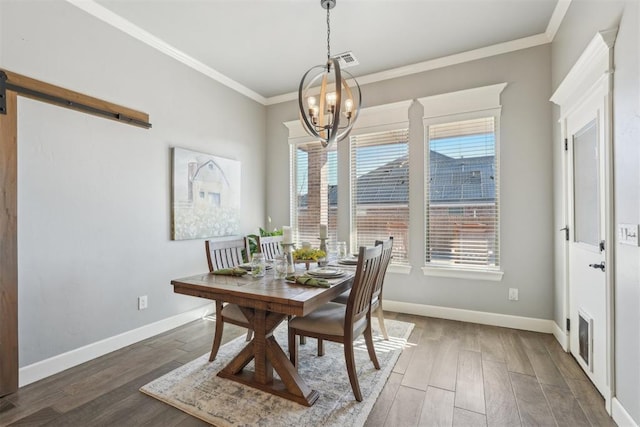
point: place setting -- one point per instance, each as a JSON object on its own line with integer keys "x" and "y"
{"x": 319, "y": 277}
{"x": 326, "y": 272}
{"x": 349, "y": 261}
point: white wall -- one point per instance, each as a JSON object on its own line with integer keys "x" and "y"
{"x": 580, "y": 25}
{"x": 526, "y": 182}
{"x": 93, "y": 194}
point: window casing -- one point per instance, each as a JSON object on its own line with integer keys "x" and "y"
{"x": 466, "y": 244}
{"x": 379, "y": 171}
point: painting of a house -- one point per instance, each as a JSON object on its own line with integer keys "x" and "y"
{"x": 206, "y": 195}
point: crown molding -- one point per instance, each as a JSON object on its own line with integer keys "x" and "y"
{"x": 556, "y": 18}
{"x": 536, "y": 40}
{"x": 446, "y": 61}
{"x": 105, "y": 15}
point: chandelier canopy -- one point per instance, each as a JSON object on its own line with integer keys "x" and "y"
{"x": 328, "y": 98}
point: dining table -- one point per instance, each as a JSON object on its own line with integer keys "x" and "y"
{"x": 266, "y": 302}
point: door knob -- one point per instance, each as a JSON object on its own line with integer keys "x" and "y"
{"x": 600, "y": 266}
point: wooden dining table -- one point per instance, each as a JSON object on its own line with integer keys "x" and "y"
{"x": 266, "y": 302}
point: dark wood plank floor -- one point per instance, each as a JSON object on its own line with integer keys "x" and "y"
{"x": 452, "y": 374}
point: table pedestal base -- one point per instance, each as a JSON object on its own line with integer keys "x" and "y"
{"x": 268, "y": 355}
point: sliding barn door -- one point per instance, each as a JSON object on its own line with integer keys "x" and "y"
{"x": 12, "y": 85}
{"x": 8, "y": 248}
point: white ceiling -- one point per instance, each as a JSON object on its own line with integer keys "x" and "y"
{"x": 263, "y": 47}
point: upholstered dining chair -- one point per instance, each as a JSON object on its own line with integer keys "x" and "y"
{"x": 226, "y": 254}
{"x": 270, "y": 246}
{"x": 344, "y": 323}
{"x": 376, "y": 296}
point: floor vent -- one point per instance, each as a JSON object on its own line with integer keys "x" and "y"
{"x": 585, "y": 338}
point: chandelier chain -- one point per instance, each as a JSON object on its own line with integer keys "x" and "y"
{"x": 332, "y": 118}
{"x": 328, "y": 36}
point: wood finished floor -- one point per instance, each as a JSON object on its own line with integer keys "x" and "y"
{"x": 452, "y": 374}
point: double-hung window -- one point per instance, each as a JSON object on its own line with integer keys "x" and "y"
{"x": 315, "y": 190}
{"x": 462, "y": 188}
{"x": 380, "y": 190}
{"x": 462, "y": 194}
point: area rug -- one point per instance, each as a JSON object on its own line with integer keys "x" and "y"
{"x": 196, "y": 389}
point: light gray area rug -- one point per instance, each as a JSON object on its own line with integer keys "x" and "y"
{"x": 196, "y": 389}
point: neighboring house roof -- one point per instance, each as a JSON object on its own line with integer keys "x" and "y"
{"x": 387, "y": 184}
{"x": 453, "y": 181}
{"x": 461, "y": 180}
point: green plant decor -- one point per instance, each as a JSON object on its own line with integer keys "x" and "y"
{"x": 253, "y": 238}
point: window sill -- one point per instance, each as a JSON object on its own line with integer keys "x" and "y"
{"x": 459, "y": 273}
{"x": 399, "y": 269}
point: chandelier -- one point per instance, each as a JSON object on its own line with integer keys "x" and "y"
{"x": 329, "y": 105}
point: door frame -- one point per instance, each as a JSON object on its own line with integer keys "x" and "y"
{"x": 592, "y": 74}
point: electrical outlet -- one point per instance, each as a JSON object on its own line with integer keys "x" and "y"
{"x": 513, "y": 294}
{"x": 142, "y": 302}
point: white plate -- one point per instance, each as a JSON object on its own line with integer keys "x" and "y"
{"x": 326, "y": 273}
{"x": 348, "y": 261}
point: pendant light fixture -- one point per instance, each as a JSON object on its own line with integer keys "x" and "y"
{"x": 328, "y": 98}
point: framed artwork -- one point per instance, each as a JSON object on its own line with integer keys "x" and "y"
{"x": 205, "y": 195}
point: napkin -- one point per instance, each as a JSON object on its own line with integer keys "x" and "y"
{"x": 309, "y": 281}
{"x": 235, "y": 271}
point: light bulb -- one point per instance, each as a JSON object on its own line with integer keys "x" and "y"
{"x": 331, "y": 99}
{"x": 311, "y": 101}
{"x": 348, "y": 105}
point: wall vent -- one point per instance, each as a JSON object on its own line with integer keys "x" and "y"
{"x": 346, "y": 59}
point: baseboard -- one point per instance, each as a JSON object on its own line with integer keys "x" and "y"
{"x": 561, "y": 337}
{"x": 620, "y": 415}
{"x": 61, "y": 362}
{"x": 494, "y": 319}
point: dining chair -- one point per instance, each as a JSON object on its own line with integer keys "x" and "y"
{"x": 344, "y": 323}
{"x": 376, "y": 296}
{"x": 226, "y": 254}
{"x": 270, "y": 246}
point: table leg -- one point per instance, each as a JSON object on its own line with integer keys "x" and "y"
{"x": 268, "y": 355}
{"x": 263, "y": 369}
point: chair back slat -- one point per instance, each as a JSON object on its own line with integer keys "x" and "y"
{"x": 226, "y": 253}
{"x": 360, "y": 296}
{"x": 387, "y": 248}
{"x": 270, "y": 246}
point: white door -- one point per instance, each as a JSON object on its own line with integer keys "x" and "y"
{"x": 588, "y": 296}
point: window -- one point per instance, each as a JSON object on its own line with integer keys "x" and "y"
{"x": 315, "y": 195}
{"x": 462, "y": 193}
{"x": 380, "y": 190}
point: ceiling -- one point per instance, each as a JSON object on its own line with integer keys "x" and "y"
{"x": 263, "y": 47}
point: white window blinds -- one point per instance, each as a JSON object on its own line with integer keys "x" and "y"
{"x": 462, "y": 194}
{"x": 315, "y": 191}
{"x": 380, "y": 190}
